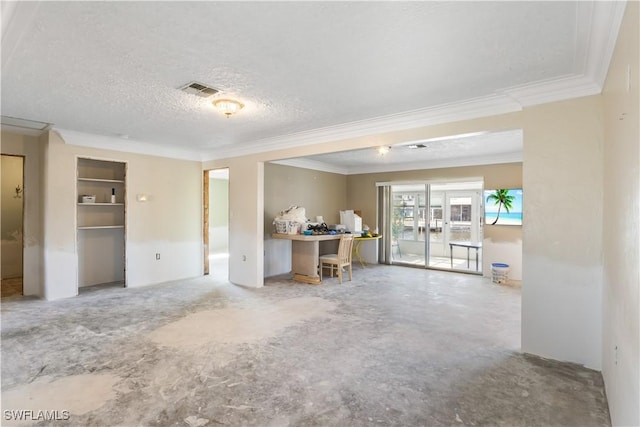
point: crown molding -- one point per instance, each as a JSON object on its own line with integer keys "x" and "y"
{"x": 490, "y": 159}
{"x": 514, "y": 157}
{"x": 18, "y": 130}
{"x": 313, "y": 165}
{"x": 605, "y": 25}
{"x": 508, "y": 101}
{"x": 553, "y": 90}
{"x": 465, "y": 110}
{"x": 598, "y": 24}
{"x": 104, "y": 142}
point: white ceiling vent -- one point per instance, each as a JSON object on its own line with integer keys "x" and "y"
{"x": 199, "y": 89}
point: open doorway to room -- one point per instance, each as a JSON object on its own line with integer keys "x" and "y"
{"x": 437, "y": 225}
{"x": 216, "y": 220}
{"x": 12, "y": 228}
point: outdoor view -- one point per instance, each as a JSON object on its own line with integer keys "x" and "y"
{"x": 449, "y": 217}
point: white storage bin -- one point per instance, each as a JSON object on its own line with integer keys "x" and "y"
{"x": 89, "y": 199}
{"x": 286, "y": 227}
{"x": 281, "y": 226}
{"x": 499, "y": 272}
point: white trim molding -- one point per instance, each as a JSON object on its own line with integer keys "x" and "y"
{"x": 597, "y": 27}
{"x": 72, "y": 137}
{"x": 465, "y": 110}
{"x": 493, "y": 159}
{"x": 313, "y": 165}
{"x": 599, "y": 20}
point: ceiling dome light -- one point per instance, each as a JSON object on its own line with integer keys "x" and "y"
{"x": 227, "y": 106}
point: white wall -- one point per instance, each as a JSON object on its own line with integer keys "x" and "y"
{"x": 246, "y": 228}
{"x": 32, "y": 149}
{"x": 218, "y": 215}
{"x": 621, "y": 227}
{"x": 219, "y": 239}
{"x": 169, "y": 222}
{"x": 507, "y": 252}
{"x": 562, "y": 233}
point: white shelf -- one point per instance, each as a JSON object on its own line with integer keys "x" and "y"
{"x": 101, "y": 254}
{"x": 97, "y": 227}
{"x": 100, "y": 204}
{"x": 100, "y": 180}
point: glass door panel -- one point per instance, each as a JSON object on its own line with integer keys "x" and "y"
{"x": 455, "y": 226}
{"x": 408, "y": 219}
{"x": 437, "y": 240}
{"x": 459, "y": 217}
{"x": 464, "y": 237}
{"x": 437, "y": 225}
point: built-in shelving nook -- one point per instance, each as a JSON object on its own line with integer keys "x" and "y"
{"x": 101, "y": 190}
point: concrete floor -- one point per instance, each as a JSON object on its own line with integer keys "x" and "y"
{"x": 396, "y": 346}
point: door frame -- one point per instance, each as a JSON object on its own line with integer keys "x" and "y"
{"x": 205, "y": 221}
{"x": 385, "y": 210}
{"x": 206, "y": 209}
{"x": 22, "y": 222}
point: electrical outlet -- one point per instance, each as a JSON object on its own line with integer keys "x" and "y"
{"x": 157, "y": 256}
{"x": 615, "y": 355}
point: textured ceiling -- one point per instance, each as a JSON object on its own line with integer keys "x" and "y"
{"x": 454, "y": 151}
{"x": 113, "y": 68}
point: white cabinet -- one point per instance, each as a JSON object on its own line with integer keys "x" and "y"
{"x": 101, "y": 224}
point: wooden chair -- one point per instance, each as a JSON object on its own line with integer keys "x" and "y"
{"x": 339, "y": 260}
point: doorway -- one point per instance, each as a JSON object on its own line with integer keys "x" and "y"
{"x": 437, "y": 225}
{"x": 12, "y": 227}
{"x": 216, "y": 220}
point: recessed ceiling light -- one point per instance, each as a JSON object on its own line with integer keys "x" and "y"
{"x": 382, "y": 151}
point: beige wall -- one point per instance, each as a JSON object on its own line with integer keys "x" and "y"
{"x": 501, "y": 244}
{"x": 562, "y": 234}
{"x": 564, "y": 144}
{"x": 320, "y": 193}
{"x": 246, "y": 203}
{"x": 621, "y": 227}
{"x": 169, "y": 223}
{"x": 562, "y": 286}
{"x": 32, "y": 149}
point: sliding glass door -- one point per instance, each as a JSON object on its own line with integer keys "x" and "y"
{"x": 436, "y": 225}
{"x": 408, "y": 218}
